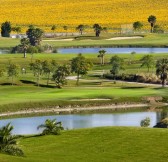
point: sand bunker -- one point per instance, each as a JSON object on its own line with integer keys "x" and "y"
{"x": 122, "y": 38}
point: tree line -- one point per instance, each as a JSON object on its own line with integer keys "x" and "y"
{"x": 80, "y": 66}
{"x": 6, "y": 28}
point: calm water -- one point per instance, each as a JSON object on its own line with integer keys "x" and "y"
{"x": 112, "y": 50}
{"x": 29, "y": 125}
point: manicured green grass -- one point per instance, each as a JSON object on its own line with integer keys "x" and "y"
{"x": 89, "y": 40}
{"x": 148, "y": 41}
{"x": 117, "y": 144}
{"x": 26, "y": 95}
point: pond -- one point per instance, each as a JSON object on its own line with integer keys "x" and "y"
{"x": 28, "y": 125}
{"x": 4, "y": 51}
{"x": 112, "y": 50}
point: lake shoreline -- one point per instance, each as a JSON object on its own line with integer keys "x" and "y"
{"x": 69, "y": 109}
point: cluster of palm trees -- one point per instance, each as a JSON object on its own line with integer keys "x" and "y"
{"x": 147, "y": 61}
{"x": 8, "y": 142}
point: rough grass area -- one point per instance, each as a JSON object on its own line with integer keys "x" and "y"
{"x": 107, "y": 144}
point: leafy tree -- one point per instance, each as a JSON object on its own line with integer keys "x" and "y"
{"x": 117, "y": 65}
{"x": 49, "y": 67}
{"x": 80, "y": 65}
{"x": 6, "y": 29}
{"x": 32, "y": 50}
{"x": 105, "y": 29}
{"x": 37, "y": 68}
{"x": 101, "y": 56}
{"x": 157, "y": 29}
{"x": 16, "y": 29}
{"x": 147, "y": 61}
{"x": 137, "y": 25}
{"x": 60, "y": 75}
{"x": 97, "y": 28}
{"x": 51, "y": 127}
{"x": 8, "y": 141}
{"x": 162, "y": 70}
{"x": 152, "y": 21}
{"x": 34, "y": 35}
{"x": 25, "y": 43}
{"x": 65, "y": 28}
{"x": 145, "y": 122}
{"x": 80, "y": 28}
{"x": 13, "y": 71}
{"x": 53, "y": 28}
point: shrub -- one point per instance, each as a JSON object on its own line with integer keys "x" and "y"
{"x": 145, "y": 122}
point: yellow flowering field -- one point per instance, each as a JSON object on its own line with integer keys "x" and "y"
{"x": 109, "y": 13}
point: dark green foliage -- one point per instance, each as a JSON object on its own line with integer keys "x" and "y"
{"x": 53, "y": 28}
{"x": 8, "y": 141}
{"x": 34, "y": 35}
{"x": 49, "y": 68}
{"x": 80, "y": 28}
{"x": 25, "y": 43}
{"x": 137, "y": 25}
{"x": 6, "y": 29}
{"x": 117, "y": 65}
{"x": 80, "y": 65}
{"x": 97, "y": 28}
{"x": 152, "y": 21}
{"x": 13, "y": 71}
{"x": 51, "y": 127}
{"x": 145, "y": 122}
{"x": 37, "y": 68}
{"x": 162, "y": 70}
{"x": 148, "y": 61}
{"x": 60, "y": 75}
{"x": 16, "y": 29}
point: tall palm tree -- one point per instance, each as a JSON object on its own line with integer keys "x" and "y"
{"x": 152, "y": 21}
{"x": 8, "y": 141}
{"x": 162, "y": 70}
{"x": 101, "y": 55}
{"x": 25, "y": 43}
{"x": 51, "y": 127}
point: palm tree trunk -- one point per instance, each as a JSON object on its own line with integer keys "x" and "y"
{"x": 24, "y": 53}
{"x": 103, "y": 60}
{"x": 163, "y": 82}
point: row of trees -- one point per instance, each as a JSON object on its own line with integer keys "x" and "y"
{"x": 79, "y": 65}
{"x": 152, "y": 20}
{"x": 6, "y": 28}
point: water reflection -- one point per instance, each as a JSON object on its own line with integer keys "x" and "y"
{"x": 29, "y": 125}
{"x": 112, "y": 50}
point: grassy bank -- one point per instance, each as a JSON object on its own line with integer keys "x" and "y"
{"x": 116, "y": 144}
{"x": 15, "y": 98}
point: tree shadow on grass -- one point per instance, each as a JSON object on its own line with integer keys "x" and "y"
{"x": 133, "y": 87}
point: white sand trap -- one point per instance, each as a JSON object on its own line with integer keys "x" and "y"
{"x": 122, "y": 38}
{"x": 58, "y": 40}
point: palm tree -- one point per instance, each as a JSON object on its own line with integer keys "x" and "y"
{"x": 152, "y": 21}
{"x": 51, "y": 127}
{"x": 162, "y": 70}
{"x": 8, "y": 141}
{"x": 101, "y": 55}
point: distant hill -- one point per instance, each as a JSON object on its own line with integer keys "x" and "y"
{"x": 109, "y": 13}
